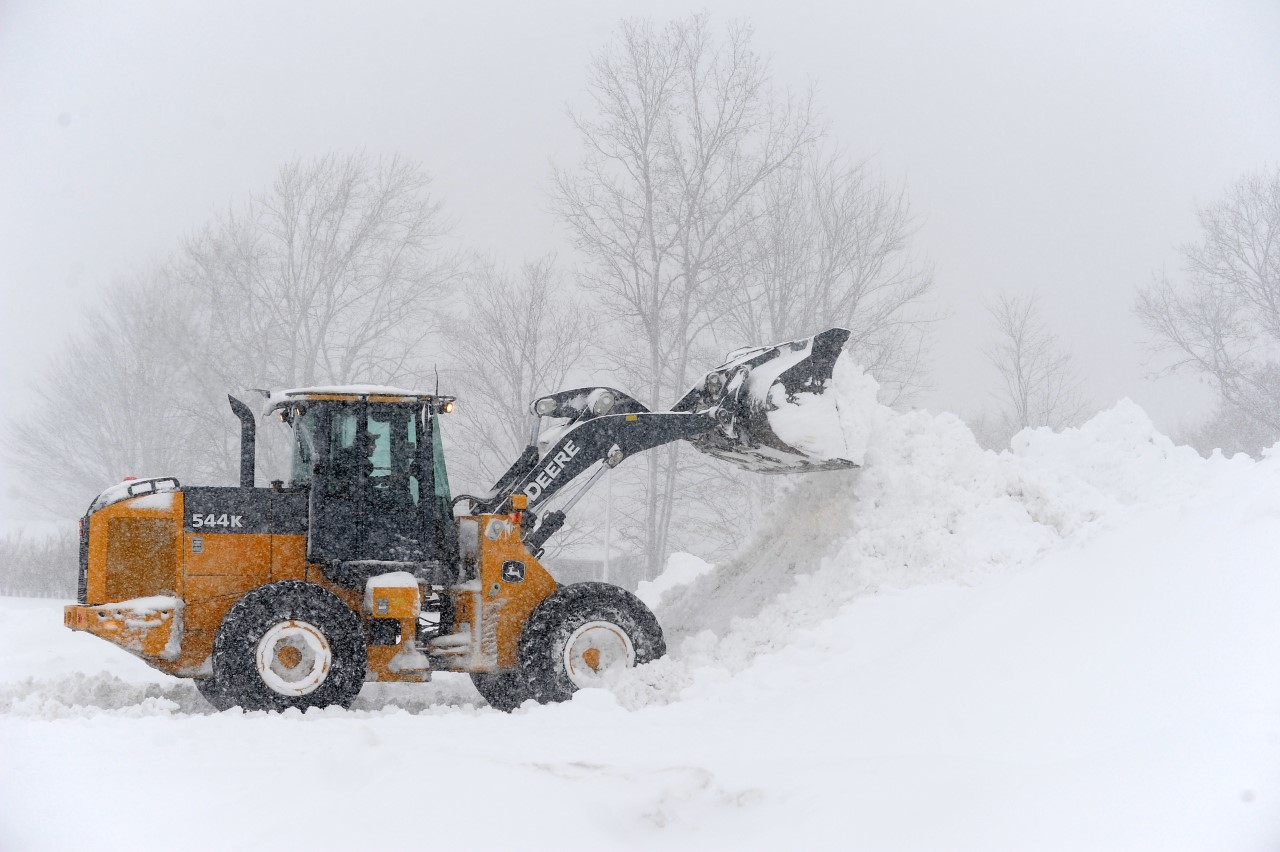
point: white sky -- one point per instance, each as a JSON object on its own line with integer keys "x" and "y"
{"x": 1058, "y": 147}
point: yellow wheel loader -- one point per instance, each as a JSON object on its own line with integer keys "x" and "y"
{"x": 363, "y": 566}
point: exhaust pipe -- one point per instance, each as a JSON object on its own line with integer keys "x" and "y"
{"x": 248, "y": 440}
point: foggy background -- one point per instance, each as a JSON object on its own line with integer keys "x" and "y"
{"x": 1057, "y": 150}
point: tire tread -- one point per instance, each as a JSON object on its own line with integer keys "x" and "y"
{"x": 551, "y": 623}
{"x": 235, "y": 680}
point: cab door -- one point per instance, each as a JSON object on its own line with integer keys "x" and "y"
{"x": 333, "y": 529}
{"x": 394, "y": 496}
{"x": 367, "y": 494}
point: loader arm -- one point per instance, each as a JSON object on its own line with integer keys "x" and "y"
{"x": 609, "y": 439}
{"x": 601, "y": 440}
{"x": 729, "y": 414}
{"x": 562, "y": 412}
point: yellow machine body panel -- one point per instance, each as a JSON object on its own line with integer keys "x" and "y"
{"x": 218, "y": 569}
{"x": 512, "y": 583}
{"x": 148, "y": 627}
{"x": 133, "y": 549}
{"x": 134, "y": 591}
{"x": 161, "y": 593}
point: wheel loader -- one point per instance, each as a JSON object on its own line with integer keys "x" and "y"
{"x": 363, "y": 566}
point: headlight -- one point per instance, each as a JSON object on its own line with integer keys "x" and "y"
{"x": 545, "y": 407}
{"x": 603, "y": 404}
{"x": 714, "y": 384}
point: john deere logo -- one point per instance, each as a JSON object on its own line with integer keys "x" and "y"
{"x": 513, "y": 571}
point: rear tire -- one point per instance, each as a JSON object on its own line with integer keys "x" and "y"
{"x": 504, "y": 691}
{"x": 287, "y": 644}
{"x": 580, "y": 632}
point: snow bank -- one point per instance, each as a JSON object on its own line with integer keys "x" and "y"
{"x": 930, "y": 505}
{"x": 682, "y": 569}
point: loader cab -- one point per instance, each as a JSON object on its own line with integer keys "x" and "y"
{"x": 373, "y": 466}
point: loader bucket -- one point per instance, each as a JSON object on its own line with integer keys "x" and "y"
{"x": 772, "y": 407}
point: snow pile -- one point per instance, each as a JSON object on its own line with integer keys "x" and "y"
{"x": 80, "y": 695}
{"x": 929, "y": 505}
{"x": 856, "y": 398}
{"x": 1117, "y": 459}
{"x": 682, "y": 569}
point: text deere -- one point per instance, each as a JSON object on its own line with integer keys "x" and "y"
{"x": 551, "y": 471}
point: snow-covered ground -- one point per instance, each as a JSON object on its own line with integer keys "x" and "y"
{"x": 1072, "y": 645}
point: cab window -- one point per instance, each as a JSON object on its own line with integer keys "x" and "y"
{"x": 393, "y": 467}
{"x": 304, "y": 448}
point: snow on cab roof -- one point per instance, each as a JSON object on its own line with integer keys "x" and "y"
{"x": 279, "y": 398}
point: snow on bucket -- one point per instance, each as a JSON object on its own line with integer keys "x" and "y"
{"x": 793, "y": 407}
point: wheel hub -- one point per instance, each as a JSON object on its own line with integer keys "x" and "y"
{"x": 594, "y": 649}
{"x": 293, "y": 658}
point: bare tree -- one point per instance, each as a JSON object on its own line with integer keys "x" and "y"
{"x": 521, "y": 337}
{"x": 681, "y": 135}
{"x": 1039, "y": 384}
{"x": 832, "y": 246}
{"x": 1229, "y": 430}
{"x": 109, "y": 404}
{"x": 39, "y": 566}
{"x": 328, "y": 277}
{"x": 1223, "y": 322}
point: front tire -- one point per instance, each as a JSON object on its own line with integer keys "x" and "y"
{"x": 504, "y": 691}
{"x": 287, "y": 644}
{"x": 580, "y": 633}
{"x": 211, "y": 690}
